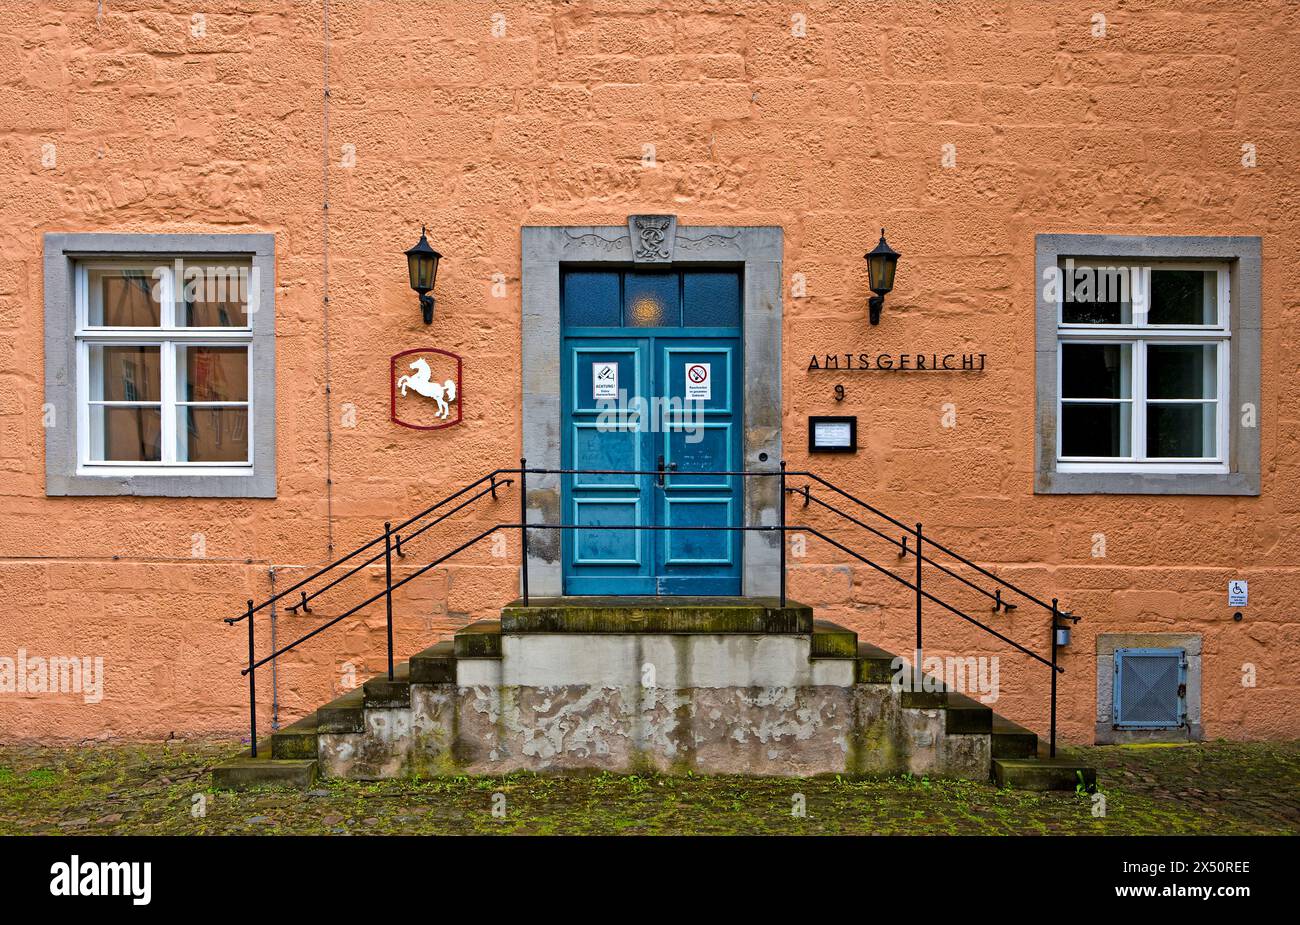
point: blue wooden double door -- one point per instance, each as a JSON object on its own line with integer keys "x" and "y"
{"x": 651, "y": 367}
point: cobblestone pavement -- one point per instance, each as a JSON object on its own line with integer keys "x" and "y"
{"x": 163, "y": 788}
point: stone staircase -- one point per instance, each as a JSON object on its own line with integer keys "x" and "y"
{"x": 534, "y": 690}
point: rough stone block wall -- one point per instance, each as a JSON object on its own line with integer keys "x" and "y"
{"x": 126, "y": 116}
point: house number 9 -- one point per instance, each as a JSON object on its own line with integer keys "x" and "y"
{"x": 839, "y": 393}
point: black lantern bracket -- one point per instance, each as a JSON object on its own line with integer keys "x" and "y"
{"x": 422, "y": 265}
{"x": 882, "y": 262}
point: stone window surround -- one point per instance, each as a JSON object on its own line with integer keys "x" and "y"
{"x": 1107, "y": 643}
{"x": 61, "y": 252}
{"x": 757, "y": 251}
{"x": 1243, "y": 253}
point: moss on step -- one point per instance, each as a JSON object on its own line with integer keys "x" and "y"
{"x": 435, "y": 665}
{"x": 656, "y": 615}
{"x": 478, "y": 640}
{"x": 830, "y": 640}
{"x": 297, "y": 740}
{"x": 245, "y": 771}
{"x": 1043, "y": 774}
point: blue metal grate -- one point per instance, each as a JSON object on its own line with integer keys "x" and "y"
{"x": 1150, "y": 688}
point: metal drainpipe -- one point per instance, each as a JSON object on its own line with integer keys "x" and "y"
{"x": 275, "y": 689}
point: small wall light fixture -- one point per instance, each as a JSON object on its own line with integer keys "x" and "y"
{"x": 881, "y": 264}
{"x": 422, "y": 264}
{"x": 1062, "y": 629}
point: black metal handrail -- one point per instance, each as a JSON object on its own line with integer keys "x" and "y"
{"x": 495, "y": 482}
{"x": 498, "y": 479}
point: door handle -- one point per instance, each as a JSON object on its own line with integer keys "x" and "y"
{"x": 659, "y": 468}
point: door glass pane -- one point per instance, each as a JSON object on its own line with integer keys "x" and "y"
{"x": 650, "y": 300}
{"x": 124, "y": 373}
{"x": 125, "y": 434}
{"x": 214, "y": 295}
{"x": 711, "y": 299}
{"x": 206, "y": 373}
{"x": 1182, "y": 371}
{"x": 123, "y": 297}
{"x": 211, "y": 434}
{"x": 1184, "y": 297}
{"x": 1096, "y": 429}
{"x": 1096, "y": 370}
{"x": 1097, "y": 295}
{"x": 591, "y": 299}
{"x": 1182, "y": 430}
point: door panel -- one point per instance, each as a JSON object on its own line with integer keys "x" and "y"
{"x": 701, "y": 433}
{"x": 606, "y": 561}
{"x": 677, "y": 414}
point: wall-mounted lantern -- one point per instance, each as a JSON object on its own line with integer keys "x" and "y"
{"x": 422, "y": 264}
{"x": 881, "y": 264}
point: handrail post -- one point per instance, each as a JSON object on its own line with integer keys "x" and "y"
{"x": 252, "y": 685}
{"x": 919, "y": 561}
{"x": 783, "y": 536}
{"x": 1052, "y": 747}
{"x": 523, "y": 523}
{"x": 388, "y": 590}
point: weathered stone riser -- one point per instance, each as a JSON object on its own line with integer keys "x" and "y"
{"x": 788, "y": 731}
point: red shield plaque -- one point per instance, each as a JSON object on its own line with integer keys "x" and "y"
{"x": 424, "y": 388}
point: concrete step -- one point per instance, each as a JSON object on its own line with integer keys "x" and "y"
{"x": 382, "y": 693}
{"x": 875, "y": 665}
{"x": 830, "y": 640}
{"x": 478, "y": 640}
{"x": 245, "y": 771}
{"x": 924, "y": 700}
{"x": 1011, "y": 740}
{"x": 435, "y": 665}
{"x": 343, "y": 714}
{"x": 1042, "y": 774}
{"x": 965, "y": 716}
{"x": 709, "y": 615}
{"x": 297, "y": 740}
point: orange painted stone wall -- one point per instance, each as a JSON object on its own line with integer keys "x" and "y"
{"x": 136, "y": 116}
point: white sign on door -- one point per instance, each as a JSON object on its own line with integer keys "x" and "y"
{"x": 699, "y": 382}
{"x": 1238, "y": 593}
{"x": 604, "y": 380}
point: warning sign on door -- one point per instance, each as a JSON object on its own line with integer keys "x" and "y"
{"x": 699, "y": 382}
{"x": 604, "y": 380}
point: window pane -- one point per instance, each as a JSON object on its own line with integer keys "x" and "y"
{"x": 124, "y": 373}
{"x": 711, "y": 299}
{"x": 120, "y": 434}
{"x": 1100, "y": 429}
{"x": 212, "y": 373}
{"x": 1097, "y": 295}
{"x": 1182, "y": 430}
{"x": 1184, "y": 297}
{"x": 214, "y": 295}
{"x": 650, "y": 300}
{"x": 1096, "y": 370}
{"x": 123, "y": 297}
{"x": 212, "y": 434}
{"x": 591, "y": 299}
{"x": 1182, "y": 371}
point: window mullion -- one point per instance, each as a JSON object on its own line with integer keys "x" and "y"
{"x": 167, "y": 394}
{"x": 1139, "y": 422}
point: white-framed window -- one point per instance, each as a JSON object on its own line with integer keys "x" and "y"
{"x": 164, "y": 364}
{"x": 1143, "y": 377}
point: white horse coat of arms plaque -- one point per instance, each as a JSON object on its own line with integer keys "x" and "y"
{"x": 425, "y": 388}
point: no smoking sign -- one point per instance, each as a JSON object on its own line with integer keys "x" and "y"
{"x": 699, "y": 381}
